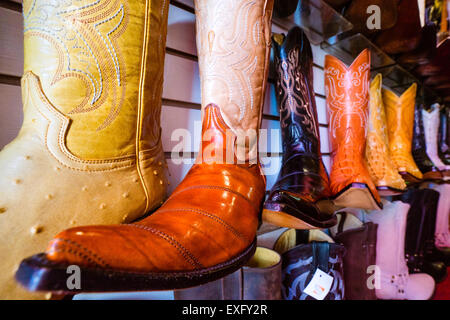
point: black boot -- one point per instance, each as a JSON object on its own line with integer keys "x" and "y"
{"x": 444, "y": 135}
{"x": 300, "y": 197}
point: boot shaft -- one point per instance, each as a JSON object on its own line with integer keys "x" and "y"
{"x": 418, "y": 145}
{"x": 96, "y": 66}
{"x": 233, "y": 44}
{"x": 431, "y": 128}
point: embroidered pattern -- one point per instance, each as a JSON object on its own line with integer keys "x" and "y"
{"x": 84, "y": 35}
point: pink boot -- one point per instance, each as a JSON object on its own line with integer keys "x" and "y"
{"x": 395, "y": 283}
{"x": 442, "y": 234}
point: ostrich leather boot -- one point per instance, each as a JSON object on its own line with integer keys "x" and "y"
{"x": 302, "y": 187}
{"x": 347, "y": 99}
{"x": 89, "y": 151}
{"x": 302, "y": 253}
{"x": 419, "y": 147}
{"x": 382, "y": 171}
{"x": 431, "y": 128}
{"x": 392, "y": 279}
{"x": 420, "y": 233}
{"x": 360, "y": 240}
{"x": 444, "y": 135}
{"x": 207, "y": 228}
{"x": 400, "y": 121}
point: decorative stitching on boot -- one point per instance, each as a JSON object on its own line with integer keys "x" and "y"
{"x": 90, "y": 254}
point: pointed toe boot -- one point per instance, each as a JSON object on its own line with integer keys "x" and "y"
{"x": 347, "y": 99}
{"x": 303, "y": 252}
{"x": 400, "y": 121}
{"x": 419, "y": 147}
{"x": 381, "y": 168}
{"x": 420, "y": 250}
{"x": 300, "y": 194}
{"x": 207, "y": 228}
{"x": 431, "y": 128}
{"x": 90, "y": 141}
{"x": 444, "y": 135}
{"x": 259, "y": 279}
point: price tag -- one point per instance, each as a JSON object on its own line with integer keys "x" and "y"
{"x": 319, "y": 286}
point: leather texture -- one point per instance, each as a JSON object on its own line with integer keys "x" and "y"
{"x": 395, "y": 282}
{"x": 405, "y": 35}
{"x": 301, "y": 262}
{"x": 400, "y": 121}
{"x": 419, "y": 146}
{"x": 347, "y": 99}
{"x": 89, "y": 151}
{"x": 431, "y": 128}
{"x": 284, "y": 8}
{"x": 357, "y": 14}
{"x": 420, "y": 233}
{"x": 212, "y": 216}
{"x": 440, "y": 63}
{"x": 425, "y": 50}
{"x": 381, "y": 168}
{"x": 444, "y": 135}
{"x": 302, "y": 180}
{"x": 259, "y": 279}
{"x": 360, "y": 243}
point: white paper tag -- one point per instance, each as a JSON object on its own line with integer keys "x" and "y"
{"x": 319, "y": 286}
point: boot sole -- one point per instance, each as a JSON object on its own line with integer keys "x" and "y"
{"x": 285, "y": 220}
{"x": 357, "y": 195}
{"x": 386, "y": 191}
{"x": 37, "y": 273}
{"x": 409, "y": 178}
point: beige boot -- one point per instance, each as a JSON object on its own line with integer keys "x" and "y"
{"x": 89, "y": 151}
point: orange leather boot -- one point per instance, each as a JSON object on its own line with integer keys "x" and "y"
{"x": 400, "y": 121}
{"x": 347, "y": 98}
{"x": 381, "y": 168}
{"x": 207, "y": 227}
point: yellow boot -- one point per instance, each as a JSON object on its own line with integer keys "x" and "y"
{"x": 381, "y": 168}
{"x": 89, "y": 151}
{"x": 400, "y": 121}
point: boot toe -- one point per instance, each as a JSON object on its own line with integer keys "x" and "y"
{"x": 420, "y": 287}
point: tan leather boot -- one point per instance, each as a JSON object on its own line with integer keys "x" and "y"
{"x": 400, "y": 121}
{"x": 207, "y": 228}
{"x": 381, "y": 168}
{"x": 89, "y": 151}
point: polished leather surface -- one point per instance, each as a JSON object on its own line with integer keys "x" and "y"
{"x": 419, "y": 145}
{"x": 405, "y": 35}
{"x": 420, "y": 231}
{"x": 301, "y": 262}
{"x": 440, "y": 64}
{"x": 260, "y": 279}
{"x": 347, "y": 99}
{"x": 67, "y": 167}
{"x": 444, "y": 135}
{"x": 360, "y": 244}
{"x": 302, "y": 179}
{"x": 357, "y": 14}
{"x": 212, "y": 216}
{"x": 379, "y": 162}
{"x": 400, "y": 121}
{"x": 425, "y": 50}
{"x": 431, "y": 121}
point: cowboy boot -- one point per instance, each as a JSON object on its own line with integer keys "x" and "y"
{"x": 420, "y": 230}
{"x": 303, "y": 252}
{"x": 440, "y": 62}
{"x": 400, "y": 120}
{"x": 442, "y": 233}
{"x": 392, "y": 280}
{"x": 89, "y": 151}
{"x": 347, "y": 99}
{"x": 431, "y": 127}
{"x": 259, "y": 279}
{"x": 302, "y": 187}
{"x": 360, "y": 240}
{"x": 284, "y": 8}
{"x": 405, "y": 35}
{"x": 424, "y": 163}
{"x": 207, "y": 228}
{"x": 444, "y": 135}
{"x": 382, "y": 171}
